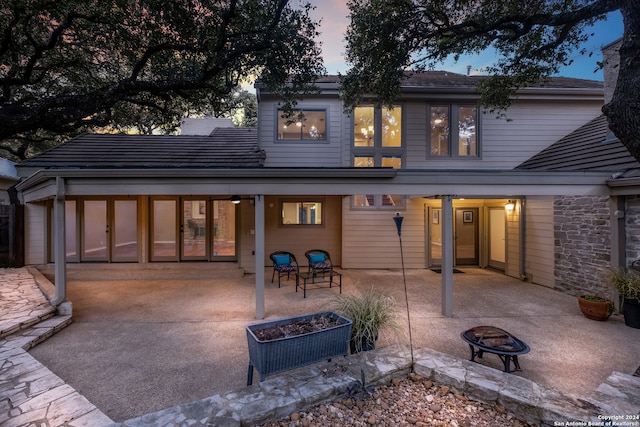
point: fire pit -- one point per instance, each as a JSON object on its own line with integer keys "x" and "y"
{"x": 497, "y": 341}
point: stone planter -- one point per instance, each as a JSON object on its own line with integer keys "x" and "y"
{"x": 278, "y": 355}
{"x": 595, "y": 308}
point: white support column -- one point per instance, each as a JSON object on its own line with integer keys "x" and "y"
{"x": 259, "y": 242}
{"x": 59, "y": 244}
{"x": 447, "y": 256}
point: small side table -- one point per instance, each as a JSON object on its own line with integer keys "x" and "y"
{"x": 304, "y": 279}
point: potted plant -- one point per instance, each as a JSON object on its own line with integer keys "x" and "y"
{"x": 595, "y": 307}
{"x": 370, "y": 311}
{"x": 627, "y": 283}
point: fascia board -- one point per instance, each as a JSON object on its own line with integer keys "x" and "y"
{"x": 325, "y": 182}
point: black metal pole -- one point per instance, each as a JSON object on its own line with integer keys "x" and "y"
{"x": 398, "y": 220}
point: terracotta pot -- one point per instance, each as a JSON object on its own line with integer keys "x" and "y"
{"x": 595, "y": 308}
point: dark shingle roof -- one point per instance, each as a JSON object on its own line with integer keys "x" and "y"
{"x": 590, "y": 147}
{"x": 224, "y": 148}
{"x": 444, "y": 79}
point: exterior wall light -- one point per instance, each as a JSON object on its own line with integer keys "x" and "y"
{"x": 235, "y": 199}
{"x": 510, "y": 206}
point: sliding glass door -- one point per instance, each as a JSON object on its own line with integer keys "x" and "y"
{"x": 200, "y": 229}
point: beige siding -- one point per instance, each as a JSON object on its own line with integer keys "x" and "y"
{"x": 299, "y": 239}
{"x": 35, "y": 231}
{"x": 416, "y": 131}
{"x": 530, "y": 127}
{"x": 325, "y": 153}
{"x": 371, "y": 241}
{"x": 539, "y": 266}
{"x": 370, "y": 237}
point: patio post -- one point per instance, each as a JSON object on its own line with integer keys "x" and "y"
{"x": 259, "y": 251}
{"x": 59, "y": 244}
{"x": 447, "y": 256}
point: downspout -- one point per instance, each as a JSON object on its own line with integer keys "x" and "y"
{"x": 523, "y": 221}
{"x": 59, "y": 242}
{"x": 617, "y": 215}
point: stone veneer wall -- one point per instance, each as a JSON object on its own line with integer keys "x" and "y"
{"x": 632, "y": 224}
{"x": 582, "y": 244}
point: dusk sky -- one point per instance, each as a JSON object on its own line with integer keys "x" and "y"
{"x": 334, "y": 14}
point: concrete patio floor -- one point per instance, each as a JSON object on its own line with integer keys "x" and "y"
{"x": 138, "y": 346}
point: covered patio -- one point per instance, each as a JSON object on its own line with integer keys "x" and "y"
{"x": 142, "y": 345}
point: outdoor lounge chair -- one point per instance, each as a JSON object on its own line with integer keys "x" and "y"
{"x": 319, "y": 262}
{"x": 283, "y": 263}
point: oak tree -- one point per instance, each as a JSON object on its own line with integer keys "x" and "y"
{"x": 68, "y": 66}
{"x": 533, "y": 39}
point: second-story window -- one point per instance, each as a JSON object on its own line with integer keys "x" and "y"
{"x": 453, "y": 131}
{"x": 377, "y": 142}
{"x": 303, "y": 125}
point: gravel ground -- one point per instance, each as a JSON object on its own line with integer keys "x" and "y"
{"x": 411, "y": 401}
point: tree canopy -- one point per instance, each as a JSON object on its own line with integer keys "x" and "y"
{"x": 69, "y": 66}
{"x": 533, "y": 39}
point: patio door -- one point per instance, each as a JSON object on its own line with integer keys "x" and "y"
{"x": 185, "y": 229}
{"x": 194, "y": 230}
{"x": 434, "y": 227}
{"x": 108, "y": 233}
{"x": 95, "y": 232}
{"x": 466, "y": 236}
{"x": 164, "y": 230}
{"x": 224, "y": 231}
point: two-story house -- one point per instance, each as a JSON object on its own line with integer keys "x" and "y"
{"x": 327, "y": 179}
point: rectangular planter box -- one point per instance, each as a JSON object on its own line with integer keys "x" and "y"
{"x": 282, "y": 354}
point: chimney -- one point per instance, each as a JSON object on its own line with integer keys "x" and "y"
{"x": 468, "y": 70}
{"x": 611, "y": 61}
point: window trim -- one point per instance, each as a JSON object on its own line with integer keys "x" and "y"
{"x": 324, "y": 140}
{"x": 378, "y": 152}
{"x": 454, "y": 114}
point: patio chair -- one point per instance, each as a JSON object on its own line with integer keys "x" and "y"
{"x": 284, "y": 263}
{"x": 319, "y": 262}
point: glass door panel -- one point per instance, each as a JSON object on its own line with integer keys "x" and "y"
{"x": 96, "y": 232}
{"x": 224, "y": 229}
{"x": 164, "y": 236}
{"x": 466, "y": 236}
{"x": 125, "y": 230}
{"x": 194, "y": 229}
{"x": 497, "y": 238}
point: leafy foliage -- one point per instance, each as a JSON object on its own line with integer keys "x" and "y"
{"x": 74, "y": 65}
{"x": 370, "y": 311}
{"x": 626, "y": 282}
{"x": 533, "y": 39}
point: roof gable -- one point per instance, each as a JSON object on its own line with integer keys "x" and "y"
{"x": 224, "y": 148}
